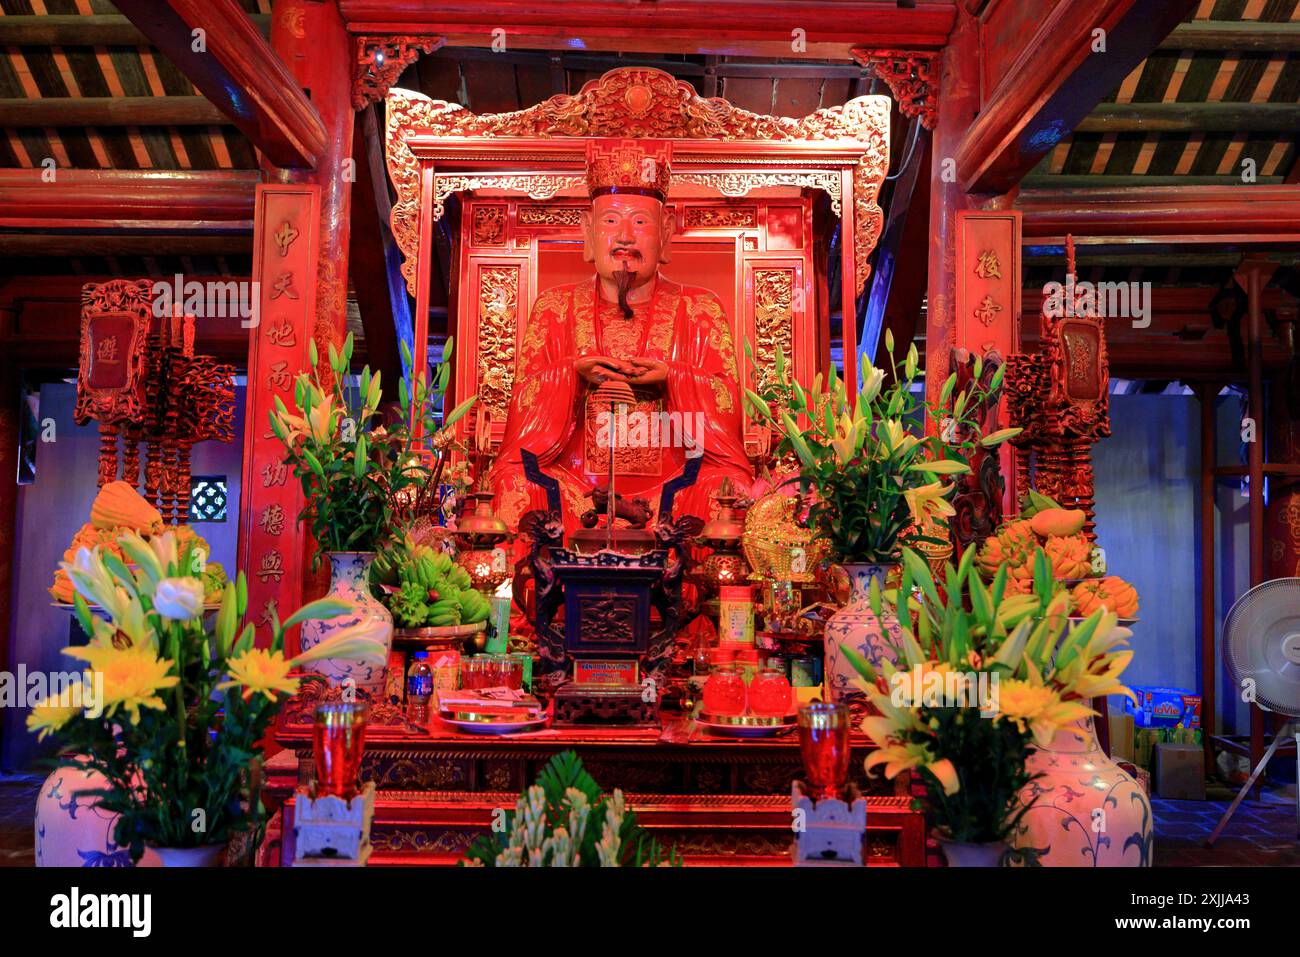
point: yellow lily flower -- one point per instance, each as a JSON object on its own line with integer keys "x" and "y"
{"x": 291, "y": 425}
{"x": 132, "y": 676}
{"x": 260, "y": 671}
{"x": 946, "y": 772}
{"x": 893, "y": 437}
{"x": 898, "y": 758}
{"x": 929, "y": 500}
{"x": 321, "y": 420}
{"x": 845, "y": 443}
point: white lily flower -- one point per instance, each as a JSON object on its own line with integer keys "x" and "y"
{"x": 179, "y": 599}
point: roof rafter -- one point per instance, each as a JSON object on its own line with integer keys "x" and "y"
{"x": 223, "y": 53}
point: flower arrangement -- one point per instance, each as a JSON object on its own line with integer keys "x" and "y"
{"x": 564, "y": 820}
{"x": 984, "y": 674}
{"x": 355, "y": 474}
{"x": 876, "y": 483}
{"x": 171, "y": 709}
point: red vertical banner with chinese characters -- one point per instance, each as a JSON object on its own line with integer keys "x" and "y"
{"x": 271, "y": 539}
{"x": 987, "y": 301}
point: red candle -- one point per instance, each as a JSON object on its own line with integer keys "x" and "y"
{"x": 338, "y": 739}
{"x": 824, "y": 744}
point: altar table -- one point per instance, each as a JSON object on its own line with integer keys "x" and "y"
{"x": 720, "y": 801}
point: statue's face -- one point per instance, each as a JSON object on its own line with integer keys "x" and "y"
{"x": 627, "y": 231}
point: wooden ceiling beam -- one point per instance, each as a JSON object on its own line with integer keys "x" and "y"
{"x": 119, "y": 244}
{"x": 1245, "y": 36}
{"x": 1100, "y": 181}
{"x": 96, "y": 29}
{"x": 66, "y": 111}
{"x": 1055, "y": 80}
{"x": 1192, "y": 118}
{"x": 723, "y": 27}
{"x": 238, "y": 71}
{"x": 199, "y": 202}
{"x": 1167, "y": 214}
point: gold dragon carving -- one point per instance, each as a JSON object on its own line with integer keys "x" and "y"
{"x": 498, "y": 308}
{"x": 641, "y": 102}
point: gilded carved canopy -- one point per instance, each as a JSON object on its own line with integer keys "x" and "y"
{"x": 841, "y": 151}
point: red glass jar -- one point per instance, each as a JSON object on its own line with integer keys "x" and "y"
{"x": 724, "y": 691}
{"x": 769, "y": 693}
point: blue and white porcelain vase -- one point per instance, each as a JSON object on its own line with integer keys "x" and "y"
{"x": 856, "y": 626}
{"x": 72, "y": 830}
{"x": 205, "y": 855}
{"x": 963, "y": 854}
{"x": 1086, "y": 811}
{"x": 350, "y": 582}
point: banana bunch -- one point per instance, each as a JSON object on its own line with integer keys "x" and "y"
{"x": 452, "y": 599}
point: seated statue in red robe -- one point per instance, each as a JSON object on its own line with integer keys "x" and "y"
{"x": 669, "y": 342}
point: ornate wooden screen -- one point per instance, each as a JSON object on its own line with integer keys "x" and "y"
{"x": 521, "y": 178}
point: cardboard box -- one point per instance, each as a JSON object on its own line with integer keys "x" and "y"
{"x": 1160, "y": 707}
{"x": 1121, "y": 736}
{"x": 1180, "y": 772}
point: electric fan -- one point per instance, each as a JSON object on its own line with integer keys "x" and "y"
{"x": 1261, "y": 641}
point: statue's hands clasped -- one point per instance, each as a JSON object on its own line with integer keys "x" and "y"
{"x": 598, "y": 369}
{"x": 648, "y": 371}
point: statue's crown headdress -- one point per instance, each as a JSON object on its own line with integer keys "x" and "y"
{"x": 642, "y": 167}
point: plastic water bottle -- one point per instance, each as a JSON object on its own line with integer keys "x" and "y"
{"x": 419, "y": 688}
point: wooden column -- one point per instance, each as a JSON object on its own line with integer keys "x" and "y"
{"x": 314, "y": 43}
{"x": 311, "y": 255}
{"x": 1207, "y": 393}
{"x": 9, "y": 428}
{"x": 958, "y": 102}
{"x": 1255, "y": 277}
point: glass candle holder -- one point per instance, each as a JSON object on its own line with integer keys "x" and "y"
{"x": 824, "y": 745}
{"x": 724, "y": 691}
{"x": 338, "y": 741}
{"x": 509, "y": 671}
{"x": 769, "y": 693}
{"x": 475, "y": 672}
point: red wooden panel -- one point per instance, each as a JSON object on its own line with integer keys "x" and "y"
{"x": 271, "y": 540}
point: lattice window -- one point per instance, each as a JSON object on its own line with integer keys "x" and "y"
{"x": 207, "y": 498}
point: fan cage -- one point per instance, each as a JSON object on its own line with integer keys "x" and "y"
{"x": 1243, "y": 618}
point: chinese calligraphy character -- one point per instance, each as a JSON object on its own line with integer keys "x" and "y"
{"x": 106, "y": 351}
{"x": 284, "y": 237}
{"x": 271, "y": 567}
{"x": 269, "y": 612}
{"x": 272, "y": 519}
{"x": 987, "y": 310}
{"x": 274, "y": 473}
{"x": 279, "y": 377}
{"x": 283, "y": 286}
{"x": 282, "y": 335}
{"x": 988, "y": 266}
